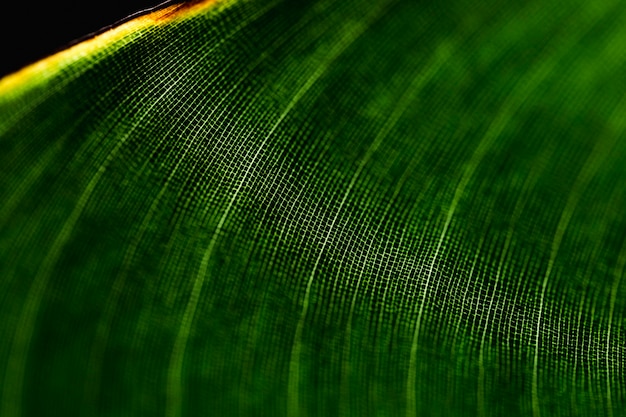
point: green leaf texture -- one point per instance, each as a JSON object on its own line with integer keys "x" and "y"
{"x": 321, "y": 208}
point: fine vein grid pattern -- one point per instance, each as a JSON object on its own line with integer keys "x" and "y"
{"x": 318, "y": 208}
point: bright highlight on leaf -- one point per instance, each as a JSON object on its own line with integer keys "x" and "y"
{"x": 319, "y": 208}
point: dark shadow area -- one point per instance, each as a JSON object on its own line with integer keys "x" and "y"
{"x": 33, "y": 30}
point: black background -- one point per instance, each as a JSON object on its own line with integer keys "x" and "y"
{"x": 30, "y": 31}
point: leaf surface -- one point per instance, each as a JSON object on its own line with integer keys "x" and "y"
{"x": 325, "y": 208}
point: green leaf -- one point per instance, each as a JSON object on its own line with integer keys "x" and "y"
{"x": 318, "y": 208}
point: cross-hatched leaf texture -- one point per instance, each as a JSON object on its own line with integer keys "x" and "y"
{"x": 319, "y": 208}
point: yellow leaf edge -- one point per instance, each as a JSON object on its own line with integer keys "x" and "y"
{"x": 42, "y": 70}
